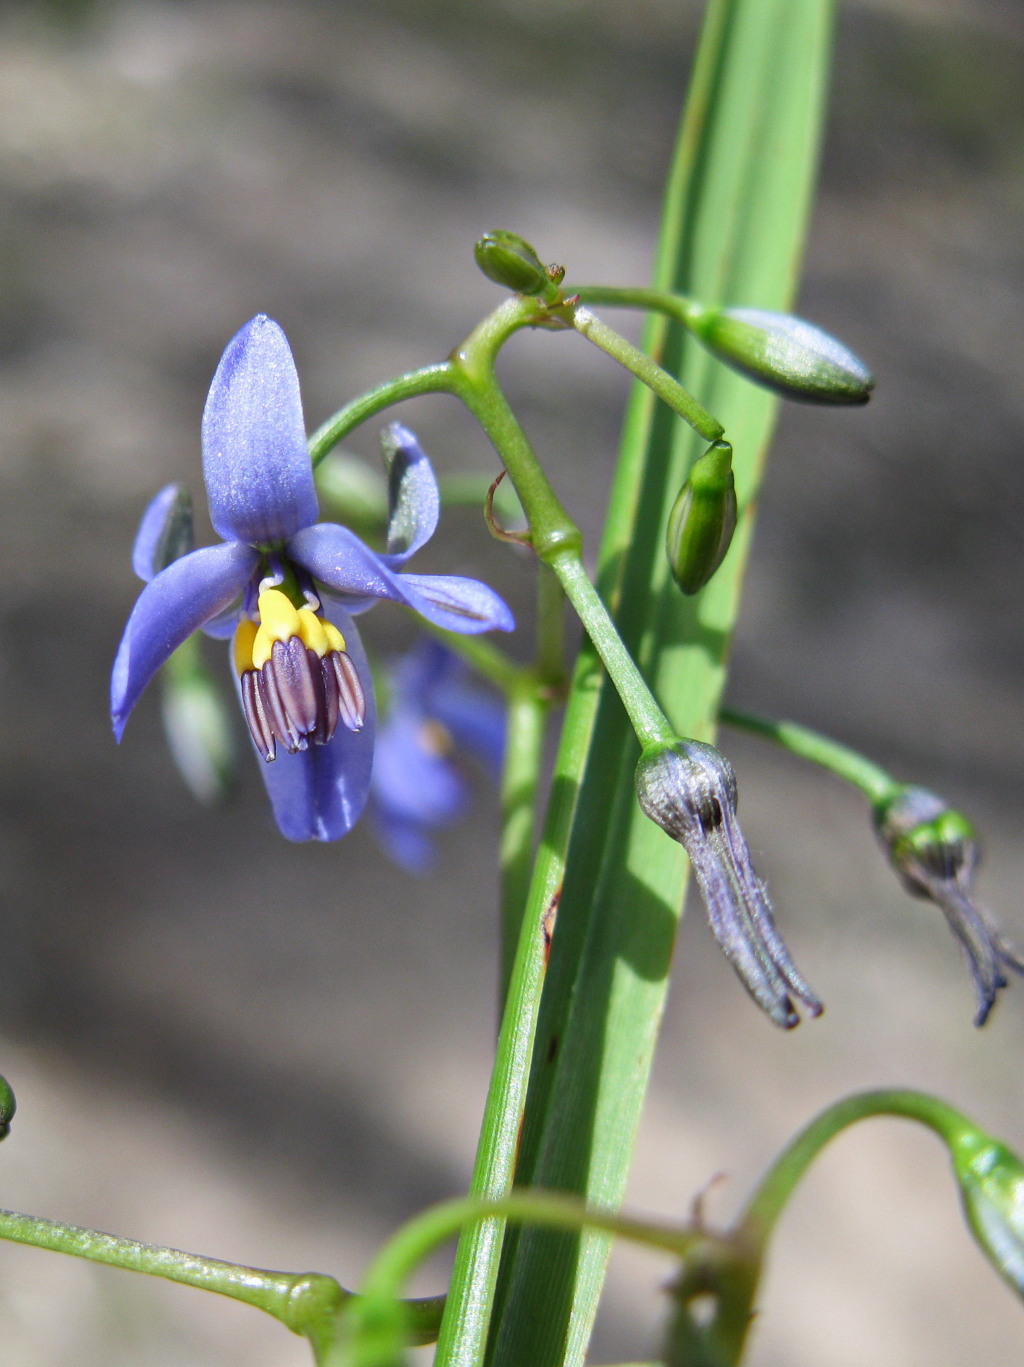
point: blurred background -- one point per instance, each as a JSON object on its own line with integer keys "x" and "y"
{"x": 275, "y": 1054}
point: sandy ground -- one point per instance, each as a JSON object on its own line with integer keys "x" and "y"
{"x": 276, "y": 1054}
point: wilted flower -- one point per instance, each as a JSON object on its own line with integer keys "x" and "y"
{"x": 934, "y": 851}
{"x": 689, "y": 789}
{"x": 436, "y": 710}
{"x": 284, "y": 586}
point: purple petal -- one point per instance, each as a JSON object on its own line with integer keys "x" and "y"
{"x": 457, "y": 604}
{"x": 411, "y": 779}
{"x": 320, "y": 793}
{"x": 170, "y": 608}
{"x": 165, "y": 532}
{"x": 440, "y": 684}
{"x": 476, "y": 719}
{"x": 407, "y": 843}
{"x": 255, "y": 460}
{"x": 337, "y": 557}
{"x": 413, "y": 500}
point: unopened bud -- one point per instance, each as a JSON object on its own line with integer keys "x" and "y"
{"x": 509, "y": 260}
{"x": 787, "y": 354}
{"x": 991, "y": 1179}
{"x": 198, "y": 725}
{"x": 689, "y": 789}
{"x": 8, "y": 1106}
{"x": 934, "y": 850}
{"x": 703, "y": 519}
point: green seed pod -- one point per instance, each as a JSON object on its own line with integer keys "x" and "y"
{"x": 8, "y": 1106}
{"x": 508, "y": 260}
{"x": 703, "y": 519}
{"x": 787, "y": 354}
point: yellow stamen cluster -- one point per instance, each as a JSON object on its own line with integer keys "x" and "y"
{"x": 280, "y": 620}
{"x": 297, "y": 679}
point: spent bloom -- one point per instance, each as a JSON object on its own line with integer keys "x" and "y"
{"x": 436, "y": 713}
{"x": 935, "y": 852}
{"x": 689, "y": 789}
{"x": 285, "y": 586}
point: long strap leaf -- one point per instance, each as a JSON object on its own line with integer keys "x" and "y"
{"x": 733, "y": 230}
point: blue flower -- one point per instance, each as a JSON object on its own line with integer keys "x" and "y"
{"x": 416, "y": 788}
{"x": 285, "y": 587}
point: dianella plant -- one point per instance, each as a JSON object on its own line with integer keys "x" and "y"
{"x": 593, "y": 862}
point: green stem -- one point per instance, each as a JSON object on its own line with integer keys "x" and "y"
{"x": 557, "y": 540}
{"x": 678, "y": 306}
{"x": 638, "y": 363}
{"x": 400, "y": 1257}
{"x": 645, "y": 715}
{"x": 418, "y": 1238}
{"x": 429, "y": 379}
{"x": 776, "y": 1187}
{"x": 870, "y": 778}
{"x": 307, "y": 1303}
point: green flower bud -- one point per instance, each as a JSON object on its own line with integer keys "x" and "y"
{"x": 8, "y": 1106}
{"x": 703, "y": 519}
{"x": 508, "y": 260}
{"x": 197, "y": 724}
{"x": 991, "y": 1179}
{"x": 787, "y": 354}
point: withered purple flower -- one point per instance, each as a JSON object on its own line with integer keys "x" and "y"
{"x": 934, "y": 850}
{"x": 285, "y": 586}
{"x": 689, "y": 789}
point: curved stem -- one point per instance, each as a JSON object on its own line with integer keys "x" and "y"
{"x": 870, "y": 778}
{"x": 638, "y": 363}
{"x": 429, "y": 379}
{"x": 307, "y": 1303}
{"x": 678, "y": 306}
{"x": 403, "y": 1253}
{"x": 776, "y": 1187}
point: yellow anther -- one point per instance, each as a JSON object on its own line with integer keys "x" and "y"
{"x": 311, "y": 629}
{"x": 335, "y": 640}
{"x": 245, "y": 636}
{"x": 279, "y": 621}
{"x": 436, "y": 739}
